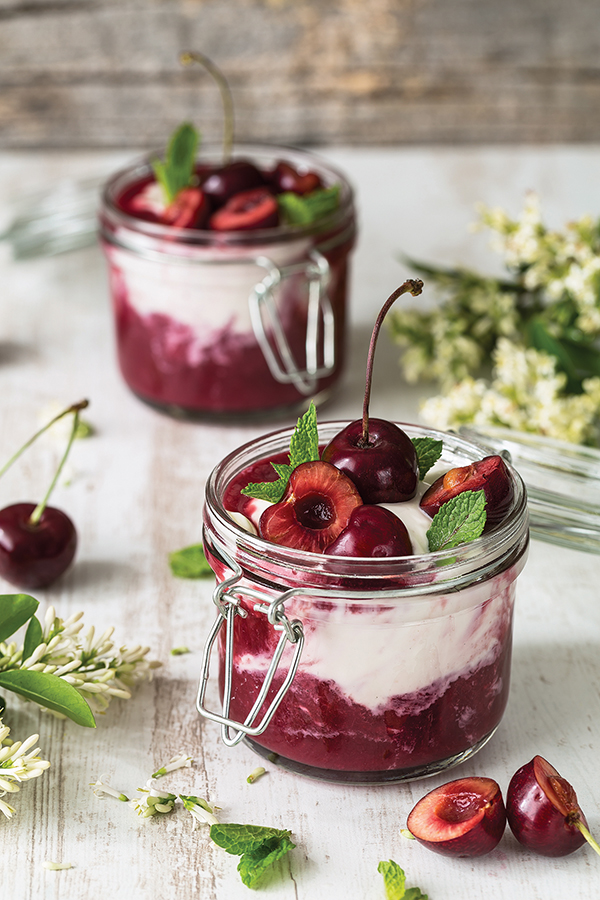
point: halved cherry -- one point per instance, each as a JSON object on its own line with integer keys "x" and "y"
{"x": 221, "y": 184}
{"x": 314, "y": 509}
{"x": 247, "y": 210}
{"x": 465, "y": 817}
{"x": 285, "y": 177}
{"x": 489, "y": 474}
{"x": 189, "y": 209}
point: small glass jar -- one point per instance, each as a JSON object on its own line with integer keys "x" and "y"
{"x": 234, "y": 325}
{"x": 360, "y": 670}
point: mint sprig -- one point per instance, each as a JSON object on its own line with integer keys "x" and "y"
{"x": 394, "y": 881}
{"x": 190, "y": 562}
{"x": 175, "y": 173}
{"x": 258, "y": 846}
{"x": 458, "y": 521}
{"x": 428, "y": 452}
{"x": 308, "y": 208}
{"x": 304, "y": 447}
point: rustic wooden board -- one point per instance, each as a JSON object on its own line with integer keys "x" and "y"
{"x": 87, "y": 73}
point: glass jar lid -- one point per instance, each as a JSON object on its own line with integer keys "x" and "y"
{"x": 562, "y": 479}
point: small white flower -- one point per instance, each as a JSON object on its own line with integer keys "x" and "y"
{"x": 177, "y": 762}
{"x": 200, "y": 810}
{"x": 101, "y": 788}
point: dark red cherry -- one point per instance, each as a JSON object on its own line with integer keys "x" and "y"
{"x": 314, "y": 509}
{"x": 223, "y": 183}
{"x": 465, "y": 817}
{"x": 285, "y": 177}
{"x": 33, "y": 556}
{"x": 384, "y": 469}
{"x": 489, "y": 474}
{"x": 372, "y": 531}
{"x": 543, "y": 812}
{"x": 189, "y": 209}
{"x": 250, "y": 209}
{"x": 377, "y": 455}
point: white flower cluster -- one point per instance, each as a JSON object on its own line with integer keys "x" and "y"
{"x": 525, "y": 393}
{"x": 19, "y": 761}
{"x": 93, "y": 665}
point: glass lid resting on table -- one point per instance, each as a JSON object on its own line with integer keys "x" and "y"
{"x": 563, "y": 484}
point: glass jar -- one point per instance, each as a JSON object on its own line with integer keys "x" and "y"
{"x": 360, "y": 670}
{"x": 234, "y": 325}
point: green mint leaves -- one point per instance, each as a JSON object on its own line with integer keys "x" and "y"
{"x": 394, "y": 881}
{"x": 458, "y": 521}
{"x": 428, "y": 452}
{"x": 176, "y": 171}
{"x": 258, "y": 846}
{"x": 304, "y": 447}
{"x": 190, "y": 562}
{"x": 308, "y": 208}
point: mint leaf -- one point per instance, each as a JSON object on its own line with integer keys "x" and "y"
{"x": 258, "y": 846}
{"x": 458, "y": 521}
{"x": 308, "y": 208}
{"x": 15, "y": 610}
{"x": 428, "y": 452}
{"x": 304, "y": 447}
{"x": 49, "y": 691}
{"x": 394, "y": 881}
{"x": 176, "y": 171}
{"x": 190, "y": 562}
{"x": 33, "y": 637}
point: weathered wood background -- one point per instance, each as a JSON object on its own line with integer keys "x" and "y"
{"x": 86, "y": 73}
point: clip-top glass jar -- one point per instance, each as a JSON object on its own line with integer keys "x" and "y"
{"x": 229, "y": 325}
{"x": 360, "y": 670}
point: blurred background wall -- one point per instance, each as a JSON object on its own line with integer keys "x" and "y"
{"x": 105, "y": 73}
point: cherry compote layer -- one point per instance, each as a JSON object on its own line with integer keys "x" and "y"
{"x": 396, "y": 681}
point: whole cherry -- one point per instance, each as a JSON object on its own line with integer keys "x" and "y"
{"x": 285, "y": 177}
{"x": 372, "y": 531}
{"x": 465, "y": 817}
{"x": 543, "y": 811}
{"x": 376, "y": 454}
{"x": 38, "y": 543}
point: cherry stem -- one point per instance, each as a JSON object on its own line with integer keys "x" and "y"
{"x": 36, "y": 515}
{"x": 226, "y": 98}
{"x": 415, "y": 286}
{"x": 589, "y": 838}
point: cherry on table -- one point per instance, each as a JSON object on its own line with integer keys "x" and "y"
{"x": 373, "y": 531}
{"x": 247, "y": 210}
{"x": 543, "y": 811}
{"x": 314, "y": 509}
{"x": 35, "y": 555}
{"x": 465, "y": 817}
{"x": 489, "y": 474}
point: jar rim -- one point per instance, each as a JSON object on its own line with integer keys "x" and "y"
{"x": 142, "y": 166}
{"x": 474, "y": 561}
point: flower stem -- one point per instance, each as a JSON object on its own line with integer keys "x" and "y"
{"x": 38, "y": 511}
{"x": 226, "y": 97}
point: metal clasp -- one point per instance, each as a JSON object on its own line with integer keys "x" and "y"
{"x": 227, "y": 596}
{"x": 269, "y": 331}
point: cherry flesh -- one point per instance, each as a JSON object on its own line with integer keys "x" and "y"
{"x": 222, "y": 183}
{"x": 247, "y": 210}
{"x": 465, "y": 817}
{"x": 190, "y": 209}
{"x": 489, "y": 474}
{"x": 33, "y": 556}
{"x": 377, "y": 455}
{"x": 372, "y": 531}
{"x": 543, "y": 812}
{"x": 314, "y": 509}
{"x": 285, "y": 177}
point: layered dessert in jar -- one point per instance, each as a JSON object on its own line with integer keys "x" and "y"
{"x": 229, "y": 293}
{"x": 394, "y": 562}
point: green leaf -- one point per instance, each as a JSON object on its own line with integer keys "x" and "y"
{"x": 393, "y": 879}
{"x": 309, "y": 208}
{"x": 428, "y": 452}
{"x": 458, "y": 521}
{"x": 51, "y": 692}
{"x": 414, "y": 893}
{"x": 259, "y": 847}
{"x": 175, "y": 173}
{"x": 33, "y": 637}
{"x": 190, "y": 562}
{"x": 304, "y": 447}
{"x": 15, "y": 610}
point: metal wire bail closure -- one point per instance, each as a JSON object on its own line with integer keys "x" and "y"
{"x": 268, "y": 327}
{"x": 227, "y": 596}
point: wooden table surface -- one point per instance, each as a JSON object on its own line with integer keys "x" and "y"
{"x": 135, "y": 492}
